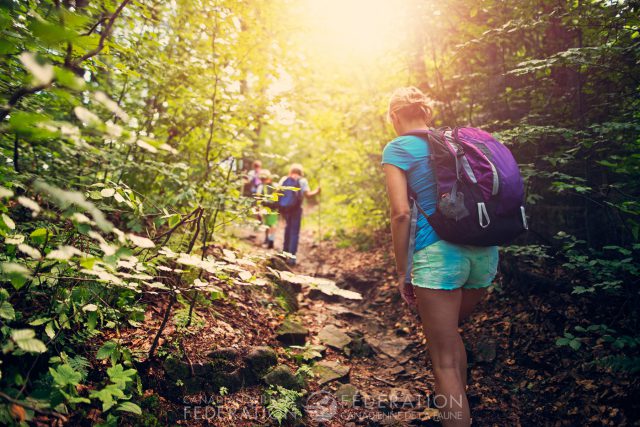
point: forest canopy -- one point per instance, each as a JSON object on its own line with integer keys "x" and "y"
{"x": 126, "y": 127}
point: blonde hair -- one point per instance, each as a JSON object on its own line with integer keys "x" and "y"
{"x": 296, "y": 168}
{"x": 410, "y": 103}
{"x": 264, "y": 174}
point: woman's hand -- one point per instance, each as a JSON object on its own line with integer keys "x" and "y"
{"x": 406, "y": 291}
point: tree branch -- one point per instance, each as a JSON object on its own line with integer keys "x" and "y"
{"x": 28, "y": 406}
{"x": 24, "y": 91}
{"x": 104, "y": 35}
{"x": 175, "y": 227}
{"x": 165, "y": 319}
{"x": 16, "y": 154}
{"x": 17, "y": 96}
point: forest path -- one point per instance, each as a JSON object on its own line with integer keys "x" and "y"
{"x": 375, "y": 337}
{"x": 361, "y": 340}
{"x": 375, "y": 348}
{"x": 517, "y": 375}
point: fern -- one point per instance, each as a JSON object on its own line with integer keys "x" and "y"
{"x": 282, "y": 403}
{"x": 80, "y": 364}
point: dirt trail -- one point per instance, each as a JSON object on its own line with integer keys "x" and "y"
{"x": 365, "y": 345}
{"x": 386, "y": 352}
{"x": 517, "y": 375}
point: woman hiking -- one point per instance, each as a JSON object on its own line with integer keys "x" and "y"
{"x": 448, "y": 280}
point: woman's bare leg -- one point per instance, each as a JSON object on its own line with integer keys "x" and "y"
{"x": 439, "y": 311}
{"x": 470, "y": 299}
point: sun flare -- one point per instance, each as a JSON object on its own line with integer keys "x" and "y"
{"x": 348, "y": 28}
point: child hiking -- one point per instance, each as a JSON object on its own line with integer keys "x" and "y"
{"x": 291, "y": 208}
{"x": 252, "y": 180}
{"x": 269, "y": 217}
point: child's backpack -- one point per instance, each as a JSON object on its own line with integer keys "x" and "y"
{"x": 290, "y": 199}
{"x": 479, "y": 187}
{"x": 254, "y": 182}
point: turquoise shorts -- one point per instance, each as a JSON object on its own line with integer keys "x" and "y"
{"x": 444, "y": 265}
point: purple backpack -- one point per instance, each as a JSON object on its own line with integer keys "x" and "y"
{"x": 480, "y": 189}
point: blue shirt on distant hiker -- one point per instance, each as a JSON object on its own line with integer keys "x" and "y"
{"x": 291, "y": 208}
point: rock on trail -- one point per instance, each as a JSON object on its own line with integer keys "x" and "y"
{"x": 334, "y": 337}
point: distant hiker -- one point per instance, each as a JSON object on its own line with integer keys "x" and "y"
{"x": 253, "y": 177}
{"x": 448, "y": 279}
{"x": 291, "y": 207}
{"x": 265, "y": 192}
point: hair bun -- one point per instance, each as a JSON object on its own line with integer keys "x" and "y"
{"x": 410, "y": 96}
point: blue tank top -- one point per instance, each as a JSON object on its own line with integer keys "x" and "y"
{"x": 411, "y": 153}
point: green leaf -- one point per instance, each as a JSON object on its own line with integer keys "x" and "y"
{"x": 7, "y": 46}
{"x": 173, "y": 220}
{"x": 106, "y": 396}
{"x": 22, "y": 334}
{"x": 31, "y": 125}
{"x": 6, "y": 311}
{"x": 68, "y": 79}
{"x": 5, "y": 192}
{"x": 106, "y": 350}
{"x": 107, "y": 192}
{"x": 575, "y": 344}
{"x": 120, "y": 376}
{"x": 18, "y": 274}
{"x": 8, "y": 222}
{"x": 25, "y": 339}
{"x": 39, "y": 235}
{"x": 49, "y": 330}
{"x": 92, "y": 320}
{"x": 65, "y": 375}
{"x": 76, "y": 399}
{"x": 5, "y": 19}
{"x": 88, "y": 262}
{"x": 129, "y": 407}
{"x": 90, "y": 307}
{"x": 33, "y": 345}
{"x": 74, "y": 20}
{"x": 141, "y": 242}
{"x": 51, "y": 34}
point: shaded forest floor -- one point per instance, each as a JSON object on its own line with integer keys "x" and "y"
{"x": 374, "y": 349}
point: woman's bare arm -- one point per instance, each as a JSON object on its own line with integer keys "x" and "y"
{"x": 400, "y": 215}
